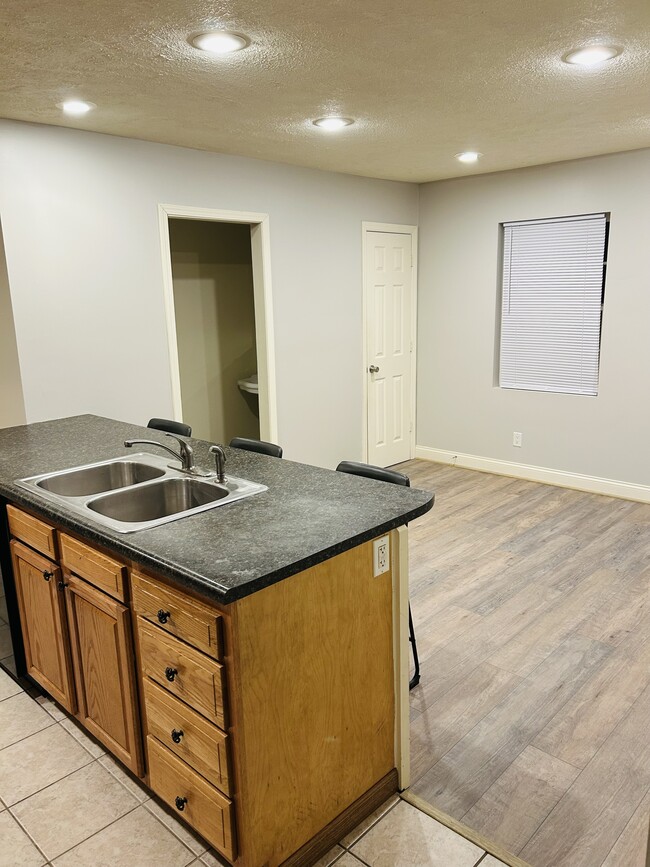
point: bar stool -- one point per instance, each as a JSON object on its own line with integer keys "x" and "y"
{"x": 259, "y": 446}
{"x": 380, "y": 474}
{"x": 169, "y": 426}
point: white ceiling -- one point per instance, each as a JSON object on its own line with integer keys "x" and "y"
{"x": 425, "y": 79}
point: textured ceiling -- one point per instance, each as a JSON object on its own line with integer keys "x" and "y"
{"x": 424, "y": 80}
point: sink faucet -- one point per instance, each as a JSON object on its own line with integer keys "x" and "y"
{"x": 220, "y": 462}
{"x": 185, "y": 455}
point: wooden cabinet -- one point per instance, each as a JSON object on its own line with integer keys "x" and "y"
{"x": 299, "y": 712}
{"x": 267, "y": 725}
{"x": 78, "y": 639}
{"x": 39, "y": 587}
{"x": 102, "y": 651}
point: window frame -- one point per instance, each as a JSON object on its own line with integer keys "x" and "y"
{"x": 501, "y": 271}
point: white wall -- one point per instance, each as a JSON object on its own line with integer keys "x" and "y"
{"x": 79, "y": 212}
{"x": 12, "y": 407}
{"x": 212, "y": 271}
{"x": 459, "y": 407}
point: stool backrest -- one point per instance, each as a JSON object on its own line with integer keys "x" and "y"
{"x": 369, "y": 471}
{"x": 170, "y": 426}
{"x": 259, "y": 446}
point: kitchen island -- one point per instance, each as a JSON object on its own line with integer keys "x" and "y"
{"x": 244, "y": 661}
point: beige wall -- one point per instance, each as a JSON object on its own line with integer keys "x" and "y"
{"x": 80, "y": 216}
{"x": 459, "y": 407}
{"x": 215, "y": 326}
{"x": 12, "y": 407}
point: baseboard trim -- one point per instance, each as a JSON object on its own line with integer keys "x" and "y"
{"x": 577, "y": 481}
{"x": 344, "y": 823}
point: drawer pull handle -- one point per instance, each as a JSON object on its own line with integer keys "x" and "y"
{"x": 180, "y": 803}
{"x": 177, "y": 734}
{"x": 47, "y": 575}
{"x": 163, "y": 616}
{"x": 170, "y": 673}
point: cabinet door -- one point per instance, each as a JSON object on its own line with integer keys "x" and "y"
{"x": 105, "y": 670}
{"x": 42, "y": 615}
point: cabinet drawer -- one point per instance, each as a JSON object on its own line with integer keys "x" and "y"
{"x": 188, "y": 674}
{"x": 37, "y": 534}
{"x": 97, "y": 568}
{"x": 197, "y": 624}
{"x": 188, "y": 735}
{"x": 199, "y": 803}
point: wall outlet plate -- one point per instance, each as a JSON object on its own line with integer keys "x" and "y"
{"x": 517, "y": 438}
{"x": 381, "y": 556}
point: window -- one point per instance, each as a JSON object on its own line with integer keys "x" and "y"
{"x": 552, "y": 296}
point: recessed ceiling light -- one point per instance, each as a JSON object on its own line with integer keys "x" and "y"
{"x": 219, "y": 42}
{"x": 332, "y": 124}
{"x": 468, "y": 156}
{"x": 76, "y": 107}
{"x": 591, "y": 55}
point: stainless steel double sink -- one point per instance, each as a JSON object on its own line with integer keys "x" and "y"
{"x": 136, "y": 492}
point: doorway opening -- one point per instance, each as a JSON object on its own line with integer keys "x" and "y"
{"x": 220, "y": 329}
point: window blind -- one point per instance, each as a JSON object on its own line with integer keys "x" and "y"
{"x": 551, "y": 304}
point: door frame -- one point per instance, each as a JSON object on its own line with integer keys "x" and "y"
{"x": 398, "y": 229}
{"x": 262, "y": 297}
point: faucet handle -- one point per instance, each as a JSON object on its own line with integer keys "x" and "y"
{"x": 185, "y": 447}
{"x": 176, "y": 437}
{"x": 187, "y": 452}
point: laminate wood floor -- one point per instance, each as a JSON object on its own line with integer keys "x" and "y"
{"x": 531, "y": 723}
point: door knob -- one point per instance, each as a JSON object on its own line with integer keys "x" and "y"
{"x": 373, "y": 368}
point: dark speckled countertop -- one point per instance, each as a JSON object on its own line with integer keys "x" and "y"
{"x": 307, "y": 515}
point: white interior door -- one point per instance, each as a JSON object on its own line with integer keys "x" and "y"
{"x": 389, "y": 291}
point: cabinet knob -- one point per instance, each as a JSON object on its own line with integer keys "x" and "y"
{"x": 62, "y": 584}
{"x": 163, "y": 616}
{"x": 177, "y": 734}
{"x": 170, "y": 673}
{"x": 180, "y": 803}
{"x": 47, "y": 575}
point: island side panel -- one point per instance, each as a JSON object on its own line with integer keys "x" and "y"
{"x": 312, "y": 697}
{"x": 402, "y": 653}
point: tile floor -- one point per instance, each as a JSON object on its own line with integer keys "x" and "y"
{"x": 65, "y": 803}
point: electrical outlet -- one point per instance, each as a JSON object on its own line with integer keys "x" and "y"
{"x": 381, "y": 555}
{"x": 517, "y": 439}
